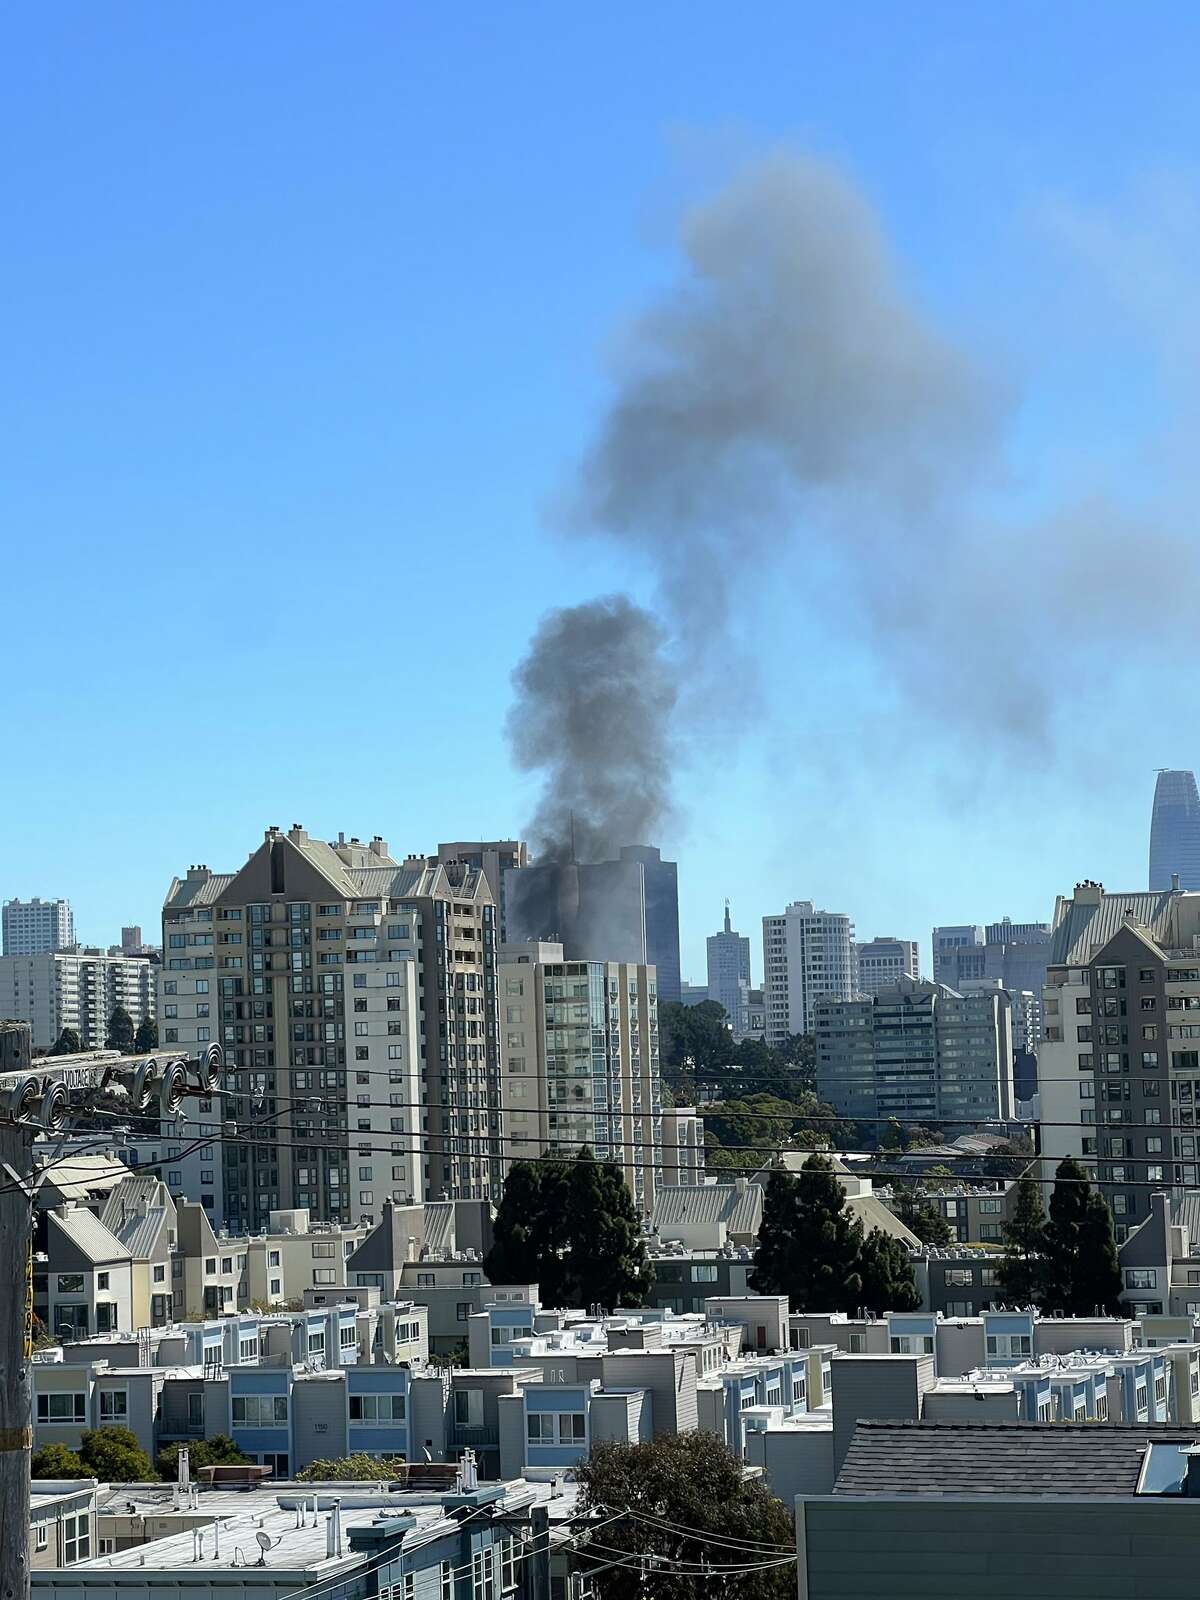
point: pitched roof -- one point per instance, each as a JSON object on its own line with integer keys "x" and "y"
{"x": 1080, "y": 930}
{"x": 1185, "y": 1212}
{"x": 686, "y": 1204}
{"x": 1000, "y": 1458}
{"x": 136, "y": 1212}
{"x": 89, "y": 1235}
{"x": 77, "y": 1177}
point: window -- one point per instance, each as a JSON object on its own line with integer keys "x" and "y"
{"x": 464, "y": 1310}
{"x": 259, "y": 1410}
{"x": 70, "y": 1283}
{"x": 468, "y": 1408}
{"x": 385, "y": 1408}
{"x": 76, "y": 1538}
{"x": 62, "y": 1407}
{"x": 41, "y": 1536}
{"x": 324, "y": 1275}
{"x": 1009, "y": 1345}
{"x": 114, "y": 1405}
{"x": 702, "y": 1273}
{"x": 913, "y": 1344}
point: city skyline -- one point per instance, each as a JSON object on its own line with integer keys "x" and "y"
{"x": 409, "y": 410}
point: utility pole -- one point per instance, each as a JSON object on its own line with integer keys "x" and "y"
{"x": 16, "y": 1327}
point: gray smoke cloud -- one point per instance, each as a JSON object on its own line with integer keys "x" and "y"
{"x": 787, "y": 414}
{"x": 595, "y": 696}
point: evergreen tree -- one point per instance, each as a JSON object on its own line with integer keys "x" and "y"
{"x": 68, "y": 1043}
{"x": 884, "y": 1271}
{"x": 808, "y": 1244}
{"x": 1098, "y": 1284}
{"x": 570, "y": 1227}
{"x": 917, "y": 1212}
{"x": 1021, "y": 1271}
{"x": 120, "y": 1031}
{"x": 146, "y": 1037}
{"x": 1064, "y": 1239}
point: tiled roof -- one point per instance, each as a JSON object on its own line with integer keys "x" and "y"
{"x": 999, "y": 1458}
{"x": 691, "y": 1203}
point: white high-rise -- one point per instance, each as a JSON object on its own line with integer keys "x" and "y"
{"x": 808, "y": 955}
{"x": 33, "y": 927}
{"x": 77, "y": 989}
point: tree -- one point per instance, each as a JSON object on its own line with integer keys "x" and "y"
{"x": 360, "y": 1468}
{"x": 68, "y": 1043}
{"x": 1081, "y": 1256}
{"x": 885, "y": 1275}
{"x": 916, "y": 1211}
{"x": 219, "y": 1451}
{"x": 695, "y": 1036}
{"x": 56, "y": 1461}
{"x": 694, "y": 1491}
{"x": 114, "y": 1456}
{"x": 571, "y": 1228}
{"x": 808, "y": 1243}
{"x": 1021, "y": 1271}
{"x": 120, "y": 1031}
{"x": 146, "y": 1037}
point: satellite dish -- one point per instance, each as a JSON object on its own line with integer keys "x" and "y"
{"x": 264, "y": 1541}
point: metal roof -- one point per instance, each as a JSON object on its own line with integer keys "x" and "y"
{"x": 686, "y": 1204}
{"x": 88, "y": 1234}
{"x": 1080, "y": 930}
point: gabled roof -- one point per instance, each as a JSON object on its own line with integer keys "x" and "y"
{"x": 689, "y": 1204}
{"x": 1000, "y": 1458}
{"x": 77, "y": 1177}
{"x": 1080, "y": 930}
{"x": 84, "y": 1237}
{"x": 136, "y": 1213}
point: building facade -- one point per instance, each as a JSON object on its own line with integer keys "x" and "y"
{"x": 582, "y": 1062}
{"x": 1010, "y": 954}
{"x": 884, "y": 960}
{"x": 492, "y": 857}
{"x": 79, "y": 989}
{"x": 917, "y": 1052}
{"x": 1175, "y": 832}
{"x": 808, "y": 956}
{"x": 661, "y": 879}
{"x": 33, "y": 927}
{"x": 729, "y": 975}
{"x": 357, "y": 1006}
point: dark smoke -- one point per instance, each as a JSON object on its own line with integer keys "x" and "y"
{"x": 595, "y": 695}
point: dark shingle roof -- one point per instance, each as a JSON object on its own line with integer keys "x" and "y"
{"x": 1000, "y": 1458}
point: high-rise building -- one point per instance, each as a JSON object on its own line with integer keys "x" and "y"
{"x": 884, "y": 960}
{"x": 595, "y": 910}
{"x": 78, "y": 988}
{"x": 692, "y": 994}
{"x": 1013, "y": 954}
{"x": 31, "y": 927}
{"x": 131, "y": 939}
{"x": 729, "y": 975}
{"x": 662, "y": 915}
{"x": 355, "y": 997}
{"x": 582, "y": 1064}
{"x": 807, "y": 955}
{"x": 1175, "y": 831}
{"x": 492, "y": 857}
{"x": 1119, "y": 1064}
{"x": 917, "y": 1052}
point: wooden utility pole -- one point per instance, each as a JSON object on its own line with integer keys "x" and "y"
{"x": 16, "y": 1327}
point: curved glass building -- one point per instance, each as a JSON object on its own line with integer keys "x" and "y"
{"x": 1175, "y": 831}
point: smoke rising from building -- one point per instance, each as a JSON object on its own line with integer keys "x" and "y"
{"x": 787, "y": 409}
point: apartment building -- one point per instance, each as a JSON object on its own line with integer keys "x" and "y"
{"x": 77, "y": 988}
{"x": 33, "y": 927}
{"x": 1011, "y": 955}
{"x": 808, "y": 956}
{"x": 492, "y": 857}
{"x": 582, "y": 1062}
{"x": 917, "y": 1052}
{"x": 1119, "y": 1068}
{"x": 884, "y": 960}
{"x": 357, "y": 1001}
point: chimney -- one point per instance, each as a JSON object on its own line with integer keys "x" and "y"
{"x": 1175, "y": 882}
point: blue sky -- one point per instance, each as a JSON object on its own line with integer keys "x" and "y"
{"x": 306, "y": 314}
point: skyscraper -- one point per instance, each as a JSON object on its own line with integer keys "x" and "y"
{"x": 662, "y": 915}
{"x": 596, "y": 910}
{"x": 1175, "y": 831}
{"x": 807, "y": 955}
{"x": 1010, "y": 954}
{"x": 884, "y": 960}
{"x": 31, "y": 927}
{"x": 729, "y": 975}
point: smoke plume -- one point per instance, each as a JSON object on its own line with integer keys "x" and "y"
{"x": 786, "y": 409}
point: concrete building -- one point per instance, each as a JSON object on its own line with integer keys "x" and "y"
{"x": 693, "y": 994}
{"x": 595, "y": 910}
{"x": 884, "y": 960}
{"x": 1119, "y": 1068}
{"x": 1175, "y": 832}
{"x": 385, "y": 973}
{"x": 34, "y": 927}
{"x": 77, "y": 988}
{"x": 662, "y": 917}
{"x": 1010, "y": 955}
{"x": 492, "y": 857}
{"x": 131, "y": 939}
{"x": 682, "y": 1146}
{"x": 808, "y": 955}
{"x": 729, "y": 975}
{"x": 582, "y": 1061}
{"x": 917, "y": 1052}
